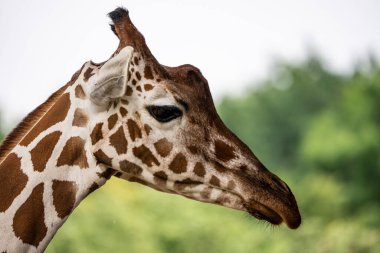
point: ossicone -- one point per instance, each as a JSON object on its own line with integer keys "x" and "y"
{"x": 128, "y": 35}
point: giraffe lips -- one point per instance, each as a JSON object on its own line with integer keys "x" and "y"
{"x": 262, "y": 212}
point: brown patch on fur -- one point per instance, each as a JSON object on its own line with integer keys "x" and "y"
{"x": 96, "y": 134}
{"x": 163, "y": 147}
{"x": 199, "y": 169}
{"x": 130, "y": 168}
{"x": 119, "y": 141}
{"x": 124, "y": 101}
{"x": 87, "y": 74}
{"x": 134, "y": 82}
{"x": 80, "y": 118}
{"x": 205, "y": 194}
{"x": 148, "y": 87}
{"x": 161, "y": 174}
{"x": 129, "y": 91}
{"x": 79, "y": 92}
{"x": 189, "y": 181}
{"x": 160, "y": 179}
{"x": 181, "y": 185}
{"x": 219, "y": 167}
{"x": 55, "y": 114}
{"x": 129, "y": 75}
{"x": 64, "y": 193}
{"x": 178, "y": 186}
{"x": 41, "y": 153}
{"x": 118, "y": 174}
{"x": 28, "y": 222}
{"x": 222, "y": 200}
{"x": 231, "y": 185}
{"x": 12, "y": 180}
{"x": 114, "y": 104}
{"x": 107, "y": 174}
{"x": 93, "y": 188}
{"x": 112, "y": 121}
{"x": 136, "y": 60}
{"x": 223, "y": 151}
{"x": 215, "y": 181}
{"x": 179, "y": 164}
{"x": 103, "y": 158}
{"x": 138, "y": 88}
{"x": 193, "y": 149}
{"x": 148, "y": 72}
{"x": 145, "y": 155}
{"x": 134, "y": 130}
{"x": 123, "y": 111}
{"x": 73, "y": 153}
{"x": 147, "y": 129}
{"x": 138, "y": 76}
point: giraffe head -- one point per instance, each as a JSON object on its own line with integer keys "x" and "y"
{"x": 158, "y": 126}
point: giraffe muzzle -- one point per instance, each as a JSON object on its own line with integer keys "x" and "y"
{"x": 275, "y": 216}
{"x": 271, "y": 200}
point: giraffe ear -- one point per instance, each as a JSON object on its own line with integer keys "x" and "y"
{"x": 111, "y": 80}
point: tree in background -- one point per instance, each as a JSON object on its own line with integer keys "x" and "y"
{"x": 273, "y": 118}
{"x": 344, "y": 139}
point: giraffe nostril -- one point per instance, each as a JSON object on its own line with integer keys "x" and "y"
{"x": 281, "y": 185}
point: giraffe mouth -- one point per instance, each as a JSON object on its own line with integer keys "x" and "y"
{"x": 263, "y": 212}
{"x": 231, "y": 199}
{"x": 254, "y": 208}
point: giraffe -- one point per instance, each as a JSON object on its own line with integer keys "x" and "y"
{"x": 138, "y": 120}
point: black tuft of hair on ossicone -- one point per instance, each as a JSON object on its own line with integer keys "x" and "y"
{"x": 118, "y": 14}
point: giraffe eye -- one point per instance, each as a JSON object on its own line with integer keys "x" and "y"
{"x": 164, "y": 113}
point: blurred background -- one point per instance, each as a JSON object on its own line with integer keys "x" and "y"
{"x": 298, "y": 81}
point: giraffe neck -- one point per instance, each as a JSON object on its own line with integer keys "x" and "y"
{"x": 46, "y": 169}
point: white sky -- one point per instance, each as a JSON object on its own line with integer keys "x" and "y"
{"x": 42, "y": 42}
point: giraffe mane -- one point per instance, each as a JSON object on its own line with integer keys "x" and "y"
{"x": 32, "y": 119}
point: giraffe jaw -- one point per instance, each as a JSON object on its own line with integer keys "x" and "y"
{"x": 273, "y": 214}
{"x": 255, "y": 208}
{"x": 227, "y": 198}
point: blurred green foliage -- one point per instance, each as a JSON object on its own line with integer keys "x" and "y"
{"x": 316, "y": 129}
